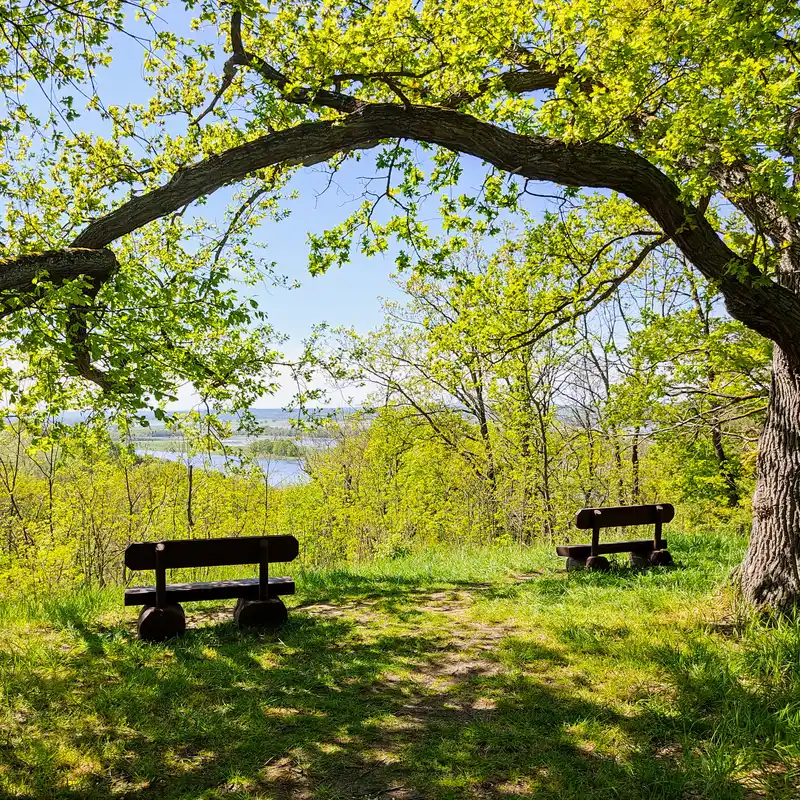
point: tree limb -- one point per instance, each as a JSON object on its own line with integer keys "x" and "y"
{"x": 17, "y": 275}
{"x": 601, "y": 293}
{"x": 751, "y": 297}
{"x": 304, "y": 96}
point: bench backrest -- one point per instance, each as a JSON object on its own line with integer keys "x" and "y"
{"x": 226, "y": 551}
{"x": 622, "y": 516}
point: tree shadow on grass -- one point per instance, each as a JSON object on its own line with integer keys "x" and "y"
{"x": 742, "y": 722}
{"x": 327, "y": 708}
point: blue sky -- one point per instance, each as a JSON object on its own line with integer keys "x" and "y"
{"x": 349, "y": 296}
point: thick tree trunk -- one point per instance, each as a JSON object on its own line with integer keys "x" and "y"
{"x": 770, "y": 575}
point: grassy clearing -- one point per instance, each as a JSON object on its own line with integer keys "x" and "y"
{"x": 489, "y": 673}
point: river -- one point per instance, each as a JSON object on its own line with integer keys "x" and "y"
{"x": 279, "y": 471}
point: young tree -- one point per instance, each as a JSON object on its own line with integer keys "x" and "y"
{"x": 675, "y": 106}
{"x": 692, "y": 378}
{"x": 431, "y": 362}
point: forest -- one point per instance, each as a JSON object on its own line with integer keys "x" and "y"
{"x": 589, "y": 213}
{"x": 654, "y": 393}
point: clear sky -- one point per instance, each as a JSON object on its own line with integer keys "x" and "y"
{"x": 349, "y": 296}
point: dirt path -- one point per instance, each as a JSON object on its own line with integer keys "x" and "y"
{"x": 443, "y": 688}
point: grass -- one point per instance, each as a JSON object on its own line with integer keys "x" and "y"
{"x": 488, "y": 673}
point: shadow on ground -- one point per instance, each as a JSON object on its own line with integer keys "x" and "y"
{"x": 385, "y": 696}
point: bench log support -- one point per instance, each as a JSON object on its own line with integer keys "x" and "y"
{"x": 266, "y": 612}
{"x": 596, "y": 562}
{"x": 159, "y": 624}
{"x": 163, "y": 620}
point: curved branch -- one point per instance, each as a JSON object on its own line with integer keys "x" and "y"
{"x": 302, "y": 95}
{"x": 766, "y": 307}
{"x": 587, "y": 304}
{"x": 18, "y": 275}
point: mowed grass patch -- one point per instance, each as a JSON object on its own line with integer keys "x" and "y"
{"x": 442, "y": 674}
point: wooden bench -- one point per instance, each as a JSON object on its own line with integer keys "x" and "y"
{"x": 259, "y": 603}
{"x": 643, "y": 552}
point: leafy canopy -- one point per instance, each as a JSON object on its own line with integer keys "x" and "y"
{"x": 706, "y": 91}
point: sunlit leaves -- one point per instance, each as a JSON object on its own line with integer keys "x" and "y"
{"x": 693, "y": 86}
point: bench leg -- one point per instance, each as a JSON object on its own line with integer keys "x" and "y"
{"x": 597, "y": 564}
{"x": 661, "y": 558}
{"x": 269, "y": 614}
{"x": 159, "y": 624}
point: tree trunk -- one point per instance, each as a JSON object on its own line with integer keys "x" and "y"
{"x": 725, "y": 467}
{"x": 549, "y": 511}
{"x": 620, "y": 468}
{"x": 189, "y": 499}
{"x": 636, "y": 495}
{"x": 592, "y": 481}
{"x": 770, "y": 575}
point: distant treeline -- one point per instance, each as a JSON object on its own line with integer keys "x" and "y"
{"x": 282, "y": 448}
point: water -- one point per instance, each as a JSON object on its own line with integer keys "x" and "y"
{"x": 280, "y": 471}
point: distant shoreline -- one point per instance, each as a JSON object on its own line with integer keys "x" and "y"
{"x": 166, "y": 445}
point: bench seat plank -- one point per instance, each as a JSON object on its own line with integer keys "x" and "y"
{"x": 217, "y": 552}
{"x": 585, "y": 550}
{"x": 211, "y": 590}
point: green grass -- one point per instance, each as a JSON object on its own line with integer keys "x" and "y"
{"x": 488, "y": 673}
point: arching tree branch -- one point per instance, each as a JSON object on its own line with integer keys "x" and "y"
{"x": 19, "y": 276}
{"x": 750, "y": 296}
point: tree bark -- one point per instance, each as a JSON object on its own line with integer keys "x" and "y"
{"x": 724, "y": 465}
{"x": 621, "y": 499}
{"x": 480, "y": 410}
{"x": 189, "y": 499}
{"x": 770, "y": 575}
{"x": 18, "y": 275}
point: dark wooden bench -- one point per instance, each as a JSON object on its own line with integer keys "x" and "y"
{"x": 643, "y": 552}
{"x": 259, "y": 603}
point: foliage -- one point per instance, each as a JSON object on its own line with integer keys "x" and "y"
{"x": 682, "y": 85}
{"x": 283, "y": 448}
